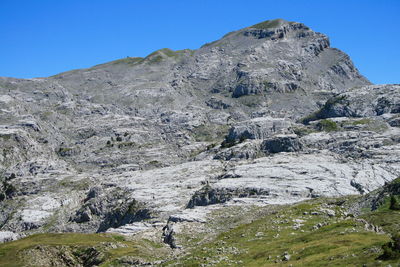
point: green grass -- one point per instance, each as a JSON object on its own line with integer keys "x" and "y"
{"x": 341, "y": 242}
{"x": 361, "y": 122}
{"x": 9, "y": 251}
{"x": 257, "y": 236}
{"x": 320, "y": 114}
{"x": 327, "y": 125}
{"x": 5, "y": 137}
{"x": 210, "y": 132}
{"x": 131, "y": 61}
{"x": 303, "y": 131}
{"x": 384, "y": 217}
{"x": 12, "y": 253}
{"x": 388, "y": 220}
{"x": 159, "y": 55}
{"x": 68, "y": 182}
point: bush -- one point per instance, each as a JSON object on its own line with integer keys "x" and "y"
{"x": 391, "y": 250}
{"x": 327, "y": 125}
{"x": 394, "y": 204}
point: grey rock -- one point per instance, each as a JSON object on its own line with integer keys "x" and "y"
{"x": 395, "y": 122}
{"x": 258, "y": 128}
{"x": 281, "y": 143}
{"x": 371, "y": 100}
{"x": 111, "y": 209}
{"x": 6, "y": 236}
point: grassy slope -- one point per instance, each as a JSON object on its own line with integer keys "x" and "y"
{"x": 341, "y": 241}
{"x": 112, "y": 246}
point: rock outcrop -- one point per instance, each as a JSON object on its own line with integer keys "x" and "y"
{"x": 131, "y": 144}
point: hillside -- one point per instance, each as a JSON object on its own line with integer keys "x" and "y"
{"x": 183, "y": 147}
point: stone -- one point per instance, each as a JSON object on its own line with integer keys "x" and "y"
{"x": 258, "y": 128}
{"x": 6, "y": 236}
{"x": 281, "y": 143}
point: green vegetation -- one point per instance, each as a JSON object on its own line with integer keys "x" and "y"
{"x": 309, "y": 240}
{"x": 321, "y": 113}
{"x": 69, "y": 182}
{"x": 210, "y": 43}
{"x": 315, "y": 232}
{"x": 394, "y": 203}
{"x": 387, "y": 214}
{"x": 302, "y": 234}
{"x": 311, "y": 117}
{"x": 5, "y": 137}
{"x": 327, "y": 126}
{"x": 361, "y": 122}
{"x": 391, "y": 250}
{"x": 209, "y": 132}
{"x": 303, "y": 131}
{"x": 159, "y": 55}
{"x": 128, "y": 60}
{"x": 74, "y": 249}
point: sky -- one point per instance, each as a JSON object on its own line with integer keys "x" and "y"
{"x": 39, "y": 38}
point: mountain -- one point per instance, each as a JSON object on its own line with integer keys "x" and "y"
{"x": 150, "y": 147}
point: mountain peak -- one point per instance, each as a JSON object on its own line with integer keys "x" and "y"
{"x": 270, "y": 24}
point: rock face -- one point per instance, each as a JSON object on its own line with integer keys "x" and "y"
{"x": 111, "y": 209}
{"x": 365, "y": 101}
{"x": 258, "y": 128}
{"x": 129, "y": 144}
{"x": 281, "y": 143}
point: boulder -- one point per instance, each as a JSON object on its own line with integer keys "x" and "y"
{"x": 281, "y": 143}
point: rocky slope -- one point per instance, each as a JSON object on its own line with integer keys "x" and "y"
{"x": 269, "y": 114}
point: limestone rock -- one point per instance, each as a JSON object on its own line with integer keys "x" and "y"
{"x": 258, "y": 128}
{"x": 281, "y": 143}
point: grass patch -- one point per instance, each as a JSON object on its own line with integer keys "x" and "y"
{"x": 323, "y": 112}
{"x": 159, "y": 55}
{"x": 361, "y": 122}
{"x": 82, "y": 184}
{"x": 209, "y": 132}
{"x": 327, "y": 126}
{"x": 388, "y": 220}
{"x": 77, "y": 244}
{"x": 264, "y": 242}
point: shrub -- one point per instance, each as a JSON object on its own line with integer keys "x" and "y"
{"x": 394, "y": 204}
{"x": 327, "y": 125}
{"x": 391, "y": 250}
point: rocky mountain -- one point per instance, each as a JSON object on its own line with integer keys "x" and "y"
{"x": 269, "y": 114}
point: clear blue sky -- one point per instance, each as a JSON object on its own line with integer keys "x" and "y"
{"x": 40, "y": 38}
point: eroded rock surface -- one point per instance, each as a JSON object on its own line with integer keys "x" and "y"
{"x": 139, "y": 144}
